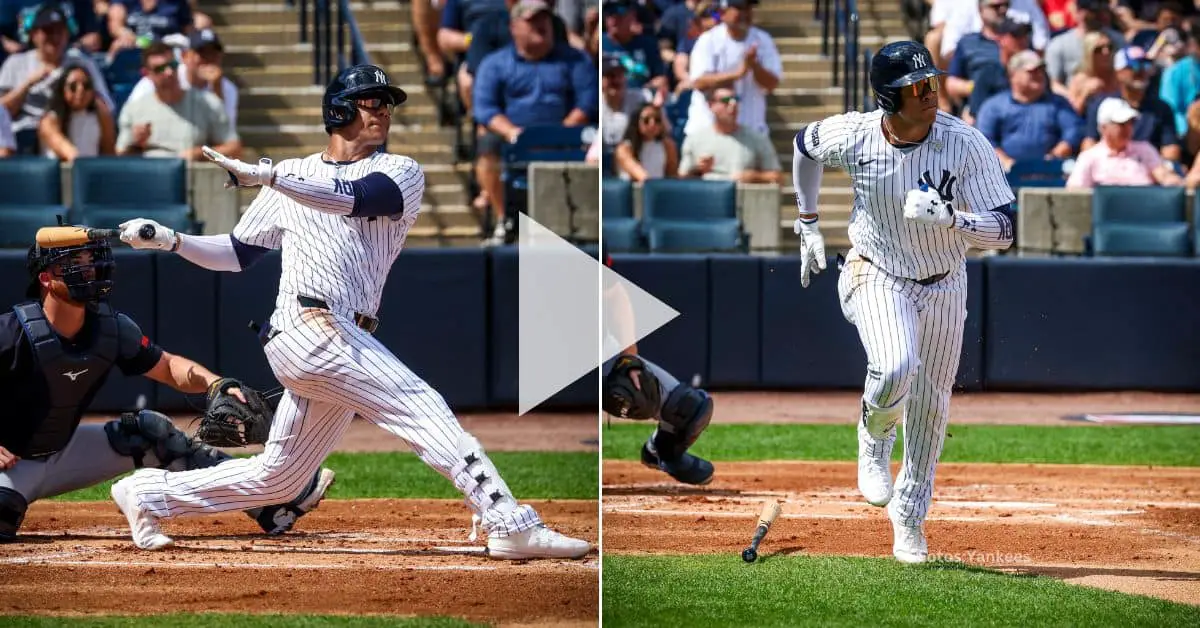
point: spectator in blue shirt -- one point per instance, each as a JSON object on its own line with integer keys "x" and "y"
{"x": 1029, "y": 121}
{"x": 987, "y": 61}
{"x": 1156, "y": 122}
{"x": 148, "y": 20}
{"x": 535, "y": 81}
{"x": 643, "y": 62}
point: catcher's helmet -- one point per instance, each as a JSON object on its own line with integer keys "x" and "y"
{"x": 337, "y": 107}
{"x": 898, "y": 65}
{"x": 88, "y": 280}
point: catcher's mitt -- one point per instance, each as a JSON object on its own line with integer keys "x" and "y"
{"x": 623, "y": 399}
{"x": 230, "y": 423}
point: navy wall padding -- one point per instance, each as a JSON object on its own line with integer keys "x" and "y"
{"x": 133, "y": 294}
{"x": 433, "y": 318}
{"x": 970, "y": 365}
{"x": 242, "y": 297}
{"x": 186, "y": 296}
{"x": 735, "y": 301}
{"x": 681, "y": 281}
{"x": 806, "y": 342}
{"x": 1092, "y": 324}
{"x": 504, "y": 359}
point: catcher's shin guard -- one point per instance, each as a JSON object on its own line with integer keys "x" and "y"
{"x": 281, "y": 518}
{"x": 137, "y": 433}
{"x": 12, "y": 512}
{"x": 685, "y": 415}
{"x": 487, "y": 494}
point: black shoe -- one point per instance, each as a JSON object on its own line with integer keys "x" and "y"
{"x": 688, "y": 469}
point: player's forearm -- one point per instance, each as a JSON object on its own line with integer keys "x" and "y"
{"x": 214, "y": 252}
{"x": 806, "y": 178}
{"x": 715, "y": 80}
{"x": 959, "y": 87}
{"x": 182, "y": 374}
{"x": 987, "y": 230}
{"x": 373, "y": 195}
{"x": 765, "y": 78}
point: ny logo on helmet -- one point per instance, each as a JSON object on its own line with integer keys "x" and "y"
{"x": 919, "y": 60}
{"x": 380, "y": 77}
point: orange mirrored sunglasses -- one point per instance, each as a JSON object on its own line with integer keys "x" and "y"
{"x": 918, "y": 88}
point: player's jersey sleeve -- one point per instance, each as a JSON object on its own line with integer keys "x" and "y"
{"x": 827, "y": 141}
{"x": 260, "y": 226}
{"x": 985, "y": 186}
{"x": 408, "y": 176}
{"x": 135, "y": 353}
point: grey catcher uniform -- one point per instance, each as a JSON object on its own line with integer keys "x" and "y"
{"x": 918, "y": 207}
{"x": 49, "y": 381}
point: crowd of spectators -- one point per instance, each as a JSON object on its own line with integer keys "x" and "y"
{"x": 514, "y": 64}
{"x": 684, "y": 91}
{"x": 1110, "y": 87}
{"x": 122, "y": 77}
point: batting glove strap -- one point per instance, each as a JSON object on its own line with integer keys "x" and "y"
{"x": 242, "y": 174}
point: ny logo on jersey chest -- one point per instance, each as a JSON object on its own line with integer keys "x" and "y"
{"x": 945, "y": 188}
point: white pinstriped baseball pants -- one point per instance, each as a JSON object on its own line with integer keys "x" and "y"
{"x": 332, "y": 370}
{"x": 912, "y": 335}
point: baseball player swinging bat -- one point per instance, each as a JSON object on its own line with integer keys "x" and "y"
{"x": 61, "y": 236}
{"x": 769, "y": 513}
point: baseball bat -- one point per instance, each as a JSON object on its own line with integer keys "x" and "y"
{"x": 769, "y": 512}
{"x": 55, "y": 237}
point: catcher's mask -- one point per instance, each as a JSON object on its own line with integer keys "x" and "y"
{"x": 86, "y": 270}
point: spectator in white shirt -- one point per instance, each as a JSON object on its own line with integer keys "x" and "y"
{"x": 8, "y": 142}
{"x": 201, "y": 67}
{"x": 739, "y": 56}
{"x": 963, "y": 17}
{"x": 77, "y": 122}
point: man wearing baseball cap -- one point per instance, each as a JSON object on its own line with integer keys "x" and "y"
{"x": 1155, "y": 123}
{"x": 1028, "y": 121}
{"x": 201, "y": 67}
{"x": 979, "y": 70}
{"x": 1118, "y": 158}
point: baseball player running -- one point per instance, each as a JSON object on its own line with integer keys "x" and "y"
{"x": 636, "y": 388}
{"x": 56, "y": 350}
{"x": 340, "y": 218}
{"x": 927, "y": 187}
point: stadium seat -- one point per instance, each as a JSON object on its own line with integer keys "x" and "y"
{"x": 538, "y": 143}
{"x": 682, "y": 199}
{"x": 617, "y": 198}
{"x": 622, "y": 235}
{"x": 696, "y": 236}
{"x": 109, "y": 190}
{"x": 1037, "y": 173}
{"x": 1138, "y": 204}
{"x": 1168, "y": 239}
{"x": 28, "y": 180}
{"x": 19, "y": 224}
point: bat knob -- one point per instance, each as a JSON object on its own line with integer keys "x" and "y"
{"x": 146, "y": 232}
{"x": 749, "y": 555}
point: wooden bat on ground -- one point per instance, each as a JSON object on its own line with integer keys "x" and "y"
{"x": 56, "y": 237}
{"x": 769, "y": 512}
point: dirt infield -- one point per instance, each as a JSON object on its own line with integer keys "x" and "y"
{"x": 409, "y": 557}
{"x": 1132, "y": 529}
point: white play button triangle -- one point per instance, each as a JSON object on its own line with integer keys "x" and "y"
{"x": 559, "y": 331}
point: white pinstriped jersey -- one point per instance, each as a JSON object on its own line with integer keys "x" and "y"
{"x": 956, "y": 159}
{"x": 344, "y": 261}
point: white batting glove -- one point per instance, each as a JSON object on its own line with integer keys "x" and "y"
{"x": 812, "y": 249}
{"x": 241, "y": 174}
{"x": 925, "y": 205}
{"x": 161, "y": 238}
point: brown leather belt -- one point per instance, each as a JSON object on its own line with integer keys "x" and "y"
{"x": 924, "y": 282}
{"x": 362, "y": 320}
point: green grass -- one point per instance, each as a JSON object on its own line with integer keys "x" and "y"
{"x": 698, "y": 591}
{"x": 530, "y": 475}
{"x": 1115, "y": 445}
{"x": 209, "y": 620}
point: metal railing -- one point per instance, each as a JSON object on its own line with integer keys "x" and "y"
{"x": 320, "y": 29}
{"x": 840, "y": 42}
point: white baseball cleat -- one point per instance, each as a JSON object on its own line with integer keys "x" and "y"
{"x": 142, "y": 524}
{"x": 874, "y": 472}
{"x": 539, "y": 542}
{"x": 908, "y": 543}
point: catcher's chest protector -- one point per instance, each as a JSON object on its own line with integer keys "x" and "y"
{"x": 71, "y": 376}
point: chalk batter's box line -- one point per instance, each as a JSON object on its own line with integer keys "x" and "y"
{"x": 1062, "y": 518}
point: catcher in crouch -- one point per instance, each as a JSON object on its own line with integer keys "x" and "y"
{"x": 636, "y": 388}
{"x": 57, "y": 349}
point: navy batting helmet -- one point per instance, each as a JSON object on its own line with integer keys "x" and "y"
{"x": 87, "y": 269}
{"x": 360, "y": 81}
{"x": 897, "y": 65}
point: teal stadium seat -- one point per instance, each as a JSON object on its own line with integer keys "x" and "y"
{"x": 617, "y": 198}
{"x": 1167, "y": 239}
{"x": 710, "y": 236}
{"x": 110, "y": 190}
{"x": 623, "y": 235}
{"x": 683, "y": 199}
{"x": 1138, "y": 204}
{"x": 32, "y": 198}
{"x": 1139, "y": 221}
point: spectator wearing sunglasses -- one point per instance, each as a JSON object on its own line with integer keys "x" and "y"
{"x": 77, "y": 123}
{"x": 1155, "y": 122}
{"x": 27, "y": 78}
{"x": 171, "y": 121}
{"x": 1096, "y": 74}
{"x": 1065, "y": 51}
{"x": 201, "y": 68}
{"x": 725, "y": 149}
{"x": 737, "y": 55}
{"x": 647, "y": 150}
{"x": 979, "y": 68}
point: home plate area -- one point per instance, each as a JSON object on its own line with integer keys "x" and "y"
{"x": 363, "y": 556}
